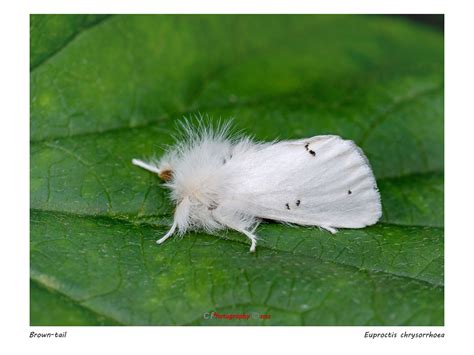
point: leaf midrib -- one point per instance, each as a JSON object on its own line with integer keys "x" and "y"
{"x": 142, "y": 221}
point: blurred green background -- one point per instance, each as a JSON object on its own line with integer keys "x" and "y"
{"x": 105, "y": 89}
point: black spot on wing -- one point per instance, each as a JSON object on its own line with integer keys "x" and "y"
{"x": 224, "y": 161}
{"x": 312, "y": 152}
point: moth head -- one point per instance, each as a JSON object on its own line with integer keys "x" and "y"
{"x": 165, "y": 170}
{"x": 165, "y": 174}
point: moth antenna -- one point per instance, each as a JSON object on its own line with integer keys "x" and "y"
{"x": 169, "y": 234}
{"x": 145, "y": 166}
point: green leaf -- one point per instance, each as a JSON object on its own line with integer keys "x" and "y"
{"x": 49, "y": 34}
{"x": 49, "y": 308}
{"x": 110, "y": 89}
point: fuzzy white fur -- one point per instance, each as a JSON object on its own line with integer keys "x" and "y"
{"x": 222, "y": 181}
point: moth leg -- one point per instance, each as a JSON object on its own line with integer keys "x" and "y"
{"x": 232, "y": 225}
{"x": 329, "y": 229}
{"x": 252, "y": 237}
{"x": 167, "y": 235}
{"x": 248, "y": 234}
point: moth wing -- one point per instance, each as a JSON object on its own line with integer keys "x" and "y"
{"x": 324, "y": 181}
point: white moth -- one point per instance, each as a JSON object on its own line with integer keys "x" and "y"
{"x": 218, "y": 181}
